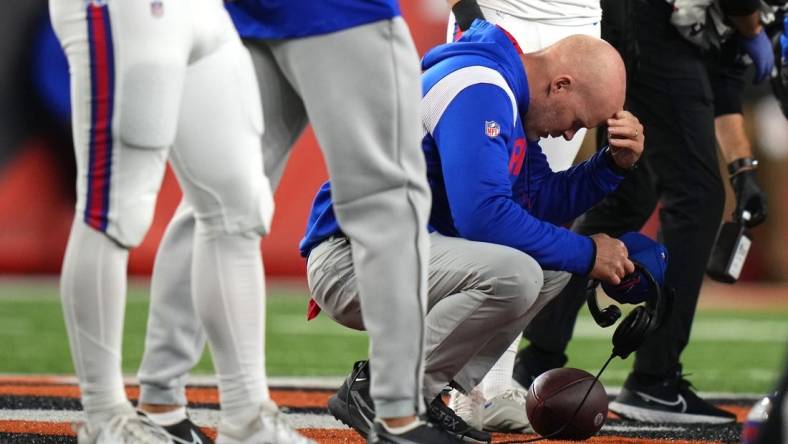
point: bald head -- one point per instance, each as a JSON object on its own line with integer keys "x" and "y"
{"x": 596, "y": 66}
{"x": 578, "y": 82}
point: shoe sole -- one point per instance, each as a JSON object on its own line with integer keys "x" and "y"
{"x": 468, "y": 439}
{"x": 503, "y": 422}
{"x": 340, "y": 411}
{"x": 507, "y": 426}
{"x": 657, "y": 416}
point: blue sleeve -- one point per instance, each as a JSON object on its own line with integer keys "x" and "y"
{"x": 479, "y": 189}
{"x": 561, "y": 197}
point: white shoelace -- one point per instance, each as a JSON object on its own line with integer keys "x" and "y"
{"x": 514, "y": 394}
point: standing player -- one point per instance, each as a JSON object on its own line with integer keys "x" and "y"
{"x": 145, "y": 76}
{"x": 534, "y": 24}
{"x": 352, "y": 68}
{"x": 671, "y": 89}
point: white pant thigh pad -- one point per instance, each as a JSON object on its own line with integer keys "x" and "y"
{"x": 150, "y": 98}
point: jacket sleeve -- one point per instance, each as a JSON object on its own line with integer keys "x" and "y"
{"x": 562, "y": 196}
{"x": 475, "y": 167}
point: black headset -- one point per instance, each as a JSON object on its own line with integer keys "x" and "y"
{"x": 639, "y": 323}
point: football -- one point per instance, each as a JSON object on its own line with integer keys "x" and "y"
{"x": 554, "y": 398}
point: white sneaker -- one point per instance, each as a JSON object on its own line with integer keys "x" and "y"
{"x": 127, "y": 427}
{"x": 468, "y": 407}
{"x": 268, "y": 428}
{"x": 506, "y": 412}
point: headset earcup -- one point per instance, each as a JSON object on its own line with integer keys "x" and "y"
{"x": 611, "y": 314}
{"x": 631, "y": 332}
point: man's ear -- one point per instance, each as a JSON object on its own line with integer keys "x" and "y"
{"x": 562, "y": 83}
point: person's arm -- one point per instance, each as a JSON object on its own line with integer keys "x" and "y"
{"x": 479, "y": 190}
{"x": 747, "y": 22}
{"x": 737, "y": 151}
{"x": 562, "y": 196}
{"x": 477, "y": 179}
{"x": 559, "y": 197}
{"x": 727, "y": 83}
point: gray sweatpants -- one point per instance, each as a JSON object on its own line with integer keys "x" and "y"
{"x": 360, "y": 89}
{"x": 481, "y": 296}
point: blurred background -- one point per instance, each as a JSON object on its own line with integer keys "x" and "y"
{"x": 37, "y": 166}
{"x": 747, "y": 322}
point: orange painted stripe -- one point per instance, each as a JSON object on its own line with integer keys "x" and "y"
{"x": 738, "y": 410}
{"x": 37, "y": 427}
{"x": 201, "y": 395}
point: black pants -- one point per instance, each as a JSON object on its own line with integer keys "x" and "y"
{"x": 669, "y": 91}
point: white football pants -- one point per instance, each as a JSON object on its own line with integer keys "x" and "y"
{"x": 381, "y": 199}
{"x": 144, "y": 76}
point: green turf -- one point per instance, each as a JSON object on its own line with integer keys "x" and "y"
{"x": 729, "y": 351}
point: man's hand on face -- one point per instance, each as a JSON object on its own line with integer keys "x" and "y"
{"x": 612, "y": 259}
{"x": 625, "y": 135}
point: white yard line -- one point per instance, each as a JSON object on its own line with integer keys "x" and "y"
{"x": 201, "y": 417}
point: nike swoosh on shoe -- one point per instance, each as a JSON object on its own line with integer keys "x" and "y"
{"x": 672, "y": 404}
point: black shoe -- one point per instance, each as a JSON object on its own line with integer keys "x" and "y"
{"x": 187, "y": 432}
{"x": 352, "y": 404}
{"x": 441, "y": 415}
{"x": 424, "y": 433}
{"x": 665, "y": 400}
{"x": 532, "y": 361}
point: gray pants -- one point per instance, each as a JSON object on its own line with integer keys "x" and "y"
{"x": 481, "y": 297}
{"x": 360, "y": 89}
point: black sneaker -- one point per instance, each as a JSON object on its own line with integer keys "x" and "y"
{"x": 442, "y": 416}
{"x": 666, "y": 400}
{"x": 424, "y": 433}
{"x": 187, "y": 432}
{"x": 532, "y": 361}
{"x": 352, "y": 404}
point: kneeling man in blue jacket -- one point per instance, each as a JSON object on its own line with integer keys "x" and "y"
{"x": 499, "y": 252}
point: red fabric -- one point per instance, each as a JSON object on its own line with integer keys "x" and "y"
{"x": 312, "y": 310}
{"x": 512, "y": 39}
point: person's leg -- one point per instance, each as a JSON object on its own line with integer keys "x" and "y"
{"x": 474, "y": 285}
{"x": 175, "y": 339}
{"x": 503, "y": 407}
{"x": 673, "y": 95}
{"x": 232, "y": 206}
{"x": 381, "y": 199}
{"x": 221, "y": 125}
{"x": 693, "y": 198}
{"x": 123, "y": 124}
{"x": 284, "y": 116}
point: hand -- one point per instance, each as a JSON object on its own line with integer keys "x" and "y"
{"x": 612, "y": 259}
{"x": 750, "y": 198}
{"x": 759, "y": 48}
{"x": 625, "y": 137}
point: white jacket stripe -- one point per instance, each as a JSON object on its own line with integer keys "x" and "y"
{"x": 441, "y": 94}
